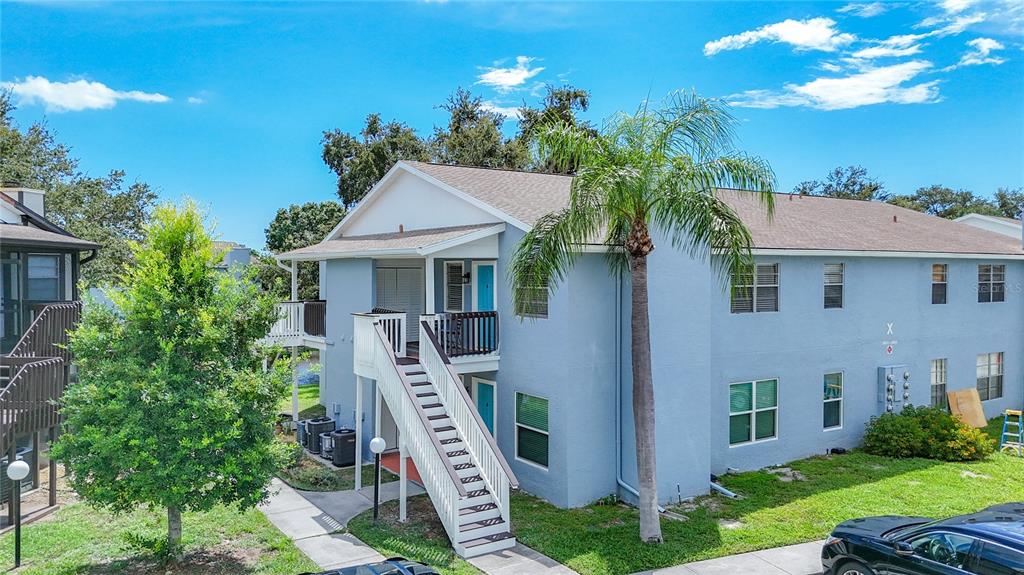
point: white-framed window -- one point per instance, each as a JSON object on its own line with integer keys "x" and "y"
{"x": 532, "y": 429}
{"x": 453, "y": 291}
{"x": 990, "y": 375}
{"x": 43, "y": 277}
{"x": 533, "y": 302}
{"x": 832, "y": 415}
{"x": 991, "y": 283}
{"x": 938, "y": 386}
{"x": 755, "y": 289}
{"x": 940, "y": 283}
{"x": 833, "y": 286}
{"x": 753, "y": 411}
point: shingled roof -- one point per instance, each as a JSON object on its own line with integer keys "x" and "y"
{"x": 800, "y": 222}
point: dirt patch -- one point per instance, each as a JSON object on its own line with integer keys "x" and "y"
{"x": 226, "y": 558}
{"x": 786, "y": 474}
{"x": 972, "y": 475}
{"x": 711, "y": 503}
{"x": 730, "y": 524}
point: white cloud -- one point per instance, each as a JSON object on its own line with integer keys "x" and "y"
{"x": 980, "y": 53}
{"x": 812, "y": 34}
{"x": 886, "y": 84}
{"x": 887, "y": 52}
{"x": 75, "y": 96}
{"x": 830, "y": 67}
{"x": 195, "y": 100}
{"x": 865, "y": 10}
{"x": 956, "y": 6}
{"x": 505, "y": 80}
{"x": 510, "y": 112}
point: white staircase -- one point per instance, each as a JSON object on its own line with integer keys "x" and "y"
{"x": 463, "y": 471}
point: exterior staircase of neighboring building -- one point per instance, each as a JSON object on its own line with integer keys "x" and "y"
{"x": 463, "y": 471}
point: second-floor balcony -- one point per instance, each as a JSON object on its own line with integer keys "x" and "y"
{"x": 471, "y": 340}
{"x": 300, "y": 323}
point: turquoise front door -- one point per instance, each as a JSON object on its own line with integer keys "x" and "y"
{"x": 485, "y": 403}
{"x": 484, "y": 287}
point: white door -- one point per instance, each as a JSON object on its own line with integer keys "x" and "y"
{"x": 401, "y": 289}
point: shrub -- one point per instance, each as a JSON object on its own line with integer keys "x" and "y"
{"x": 926, "y": 432}
{"x": 894, "y": 435}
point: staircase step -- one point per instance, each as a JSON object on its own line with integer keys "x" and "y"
{"x": 419, "y": 383}
{"x": 432, "y": 405}
{"x": 426, "y": 394}
{"x": 415, "y": 373}
{"x": 472, "y": 479}
{"x": 482, "y": 528}
{"x": 444, "y": 429}
{"x": 487, "y": 544}
{"x": 457, "y": 453}
{"x": 451, "y": 441}
{"x": 478, "y": 493}
{"x": 477, "y": 509}
{"x": 438, "y": 416}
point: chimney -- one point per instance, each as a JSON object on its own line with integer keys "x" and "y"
{"x": 31, "y": 198}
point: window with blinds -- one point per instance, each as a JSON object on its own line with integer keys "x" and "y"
{"x": 833, "y": 286}
{"x": 533, "y": 302}
{"x": 453, "y": 292}
{"x": 940, "y": 278}
{"x": 753, "y": 411}
{"x": 991, "y": 283}
{"x": 938, "y": 386}
{"x": 833, "y": 407}
{"x": 532, "y": 429}
{"x": 43, "y": 278}
{"x": 990, "y": 375}
{"x": 755, "y": 289}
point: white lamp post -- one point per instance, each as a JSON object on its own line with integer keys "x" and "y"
{"x": 17, "y": 471}
{"x": 377, "y": 446}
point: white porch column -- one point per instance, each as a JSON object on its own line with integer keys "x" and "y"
{"x": 403, "y": 479}
{"x": 295, "y": 280}
{"x": 377, "y": 400}
{"x": 295, "y": 388}
{"x": 359, "y": 433}
{"x": 429, "y": 288}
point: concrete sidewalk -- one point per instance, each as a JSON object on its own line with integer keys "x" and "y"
{"x": 802, "y": 559}
{"x": 312, "y": 519}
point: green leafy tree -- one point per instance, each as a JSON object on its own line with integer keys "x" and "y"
{"x": 301, "y": 225}
{"x": 1010, "y": 203}
{"x": 654, "y": 170}
{"x": 945, "y": 202}
{"x": 173, "y": 409}
{"x": 473, "y": 136}
{"x": 560, "y": 106}
{"x": 272, "y": 278}
{"x": 852, "y": 183}
{"x": 103, "y": 210}
{"x": 360, "y": 162}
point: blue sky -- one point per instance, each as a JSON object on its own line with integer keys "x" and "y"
{"x": 226, "y": 102}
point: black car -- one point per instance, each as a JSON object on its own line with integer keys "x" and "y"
{"x": 393, "y": 566}
{"x": 989, "y": 542}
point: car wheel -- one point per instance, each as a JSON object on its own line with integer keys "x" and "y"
{"x": 854, "y": 568}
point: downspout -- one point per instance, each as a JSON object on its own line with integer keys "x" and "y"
{"x": 618, "y": 394}
{"x": 89, "y": 257}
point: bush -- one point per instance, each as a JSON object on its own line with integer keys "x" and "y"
{"x": 926, "y": 432}
{"x": 894, "y": 435}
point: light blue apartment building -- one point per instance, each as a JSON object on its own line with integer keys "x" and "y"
{"x": 853, "y": 308}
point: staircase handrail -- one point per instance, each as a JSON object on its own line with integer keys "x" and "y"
{"x": 28, "y": 402}
{"x": 52, "y": 324}
{"x": 494, "y": 469}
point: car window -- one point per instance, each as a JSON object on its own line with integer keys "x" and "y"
{"x": 999, "y": 560}
{"x": 946, "y": 548}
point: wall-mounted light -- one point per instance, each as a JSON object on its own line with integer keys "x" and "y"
{"x": 467, "y": 277}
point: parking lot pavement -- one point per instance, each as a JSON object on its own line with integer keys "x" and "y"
{"x": 801, "y": 559}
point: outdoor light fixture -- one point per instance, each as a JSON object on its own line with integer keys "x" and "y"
{"x": 377, "y": 446}
{"x": 16, "y": 472}
{"x": 467, "y": 277}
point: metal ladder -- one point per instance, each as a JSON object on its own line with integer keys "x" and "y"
{"x": 1012, "y": 437}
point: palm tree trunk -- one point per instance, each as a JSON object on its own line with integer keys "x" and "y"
{"x": 173, "y": 528}
{"x": 643, "y": 403}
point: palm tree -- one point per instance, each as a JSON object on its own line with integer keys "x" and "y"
{"x": 651, "y": 170}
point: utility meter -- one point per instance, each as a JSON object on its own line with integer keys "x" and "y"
{"x": 891, "y": 399}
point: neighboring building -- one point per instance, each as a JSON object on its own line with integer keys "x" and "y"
{"x": 791, "y": 362}
{"x": 39, "y": 271}
{"x": 235, "y": 255}
{"x": 1000, "y": 225}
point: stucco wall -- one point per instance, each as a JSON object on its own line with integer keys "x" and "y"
{"x": 802, "y": 341}
{"x": 347, "y": 285}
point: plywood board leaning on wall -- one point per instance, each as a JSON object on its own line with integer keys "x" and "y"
{"x": 966, "y": 404}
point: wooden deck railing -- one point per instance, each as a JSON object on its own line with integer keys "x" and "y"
{"x": 30, "y": 395}
{"x": 47, "y": 336}
{"x": 466, "y": 333}
{"x": 299, "y": 318}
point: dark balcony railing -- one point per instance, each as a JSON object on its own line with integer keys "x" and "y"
{"x": 467, "y": 333}
{"x": 315, "y": 318}
{"x": 47, "y": 336}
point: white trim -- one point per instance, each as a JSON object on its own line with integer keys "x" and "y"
{"x": 494, "y": 280}
{"x": 462, "y": 297}
{"x": 752, "y": 412}
{"x": 375, "y": 191}
{"x": 475, "y": 381}
{"x": 882, "y": 254}
{"x": 383, "y": 253}
{"x": 461, "y": 240}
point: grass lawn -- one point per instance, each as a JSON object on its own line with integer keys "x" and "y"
{"x": 311, "y": 475}
{"x": 79, "y": 540}
{"x": 602, "y": 539}
{"x": 421, "y": 539}
{"x": 309, "y": 402}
